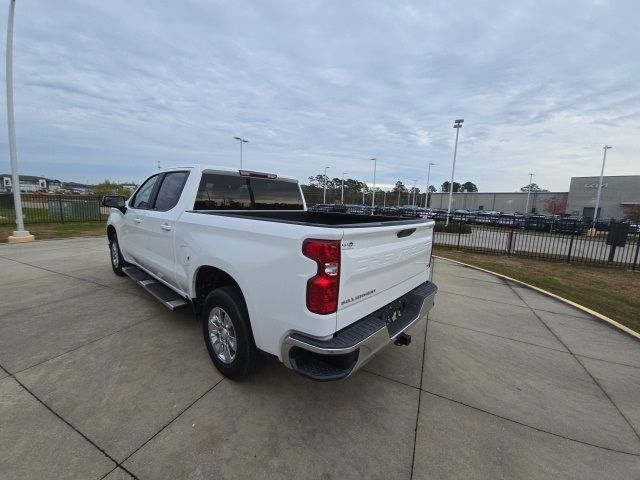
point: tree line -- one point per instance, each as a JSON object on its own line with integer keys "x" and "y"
{"x": 352, "y": 185}
{"x": 357, "y": 192}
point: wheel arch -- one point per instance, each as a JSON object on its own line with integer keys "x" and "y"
{"x": 207, "y": 279}
{"x": 111, "y": 232}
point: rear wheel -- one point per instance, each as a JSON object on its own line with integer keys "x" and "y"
{"x": 117, "y": 262}
{"x": 227, "y": 333}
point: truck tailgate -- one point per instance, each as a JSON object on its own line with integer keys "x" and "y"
{"x": 380, "y": 264}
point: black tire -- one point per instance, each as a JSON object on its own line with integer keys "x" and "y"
{"x": 115, "y": 255}
{"x": 228, "y": 300}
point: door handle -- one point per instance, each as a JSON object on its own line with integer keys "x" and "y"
{"x": 405, "y": 233}
{"x": 137, "y": 220}
{"x": 166, "y": 227}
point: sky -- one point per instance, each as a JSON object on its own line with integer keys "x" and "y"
{"x": 108, "y": 89}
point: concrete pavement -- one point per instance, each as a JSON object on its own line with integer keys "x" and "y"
{"x": 98, "y": 380}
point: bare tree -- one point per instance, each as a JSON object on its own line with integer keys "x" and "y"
{"x": 555, "y": 205}
{"x": 632, "y": 213}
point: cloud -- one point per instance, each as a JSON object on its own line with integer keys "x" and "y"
{"x": 108, "y": 89}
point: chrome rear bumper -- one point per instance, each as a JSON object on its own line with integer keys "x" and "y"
{"x": 352, "y": 347}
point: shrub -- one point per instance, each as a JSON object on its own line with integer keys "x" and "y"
{"x": 453, "y": 227}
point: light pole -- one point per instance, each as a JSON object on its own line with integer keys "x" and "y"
{"x": 428, "y": 180}
{"x": 342, "y": 190}
{"x": 20, "y": 235}
{"x": 526, "y": 210}
{"x": 414, "y": 193}
{"x": 604, "y": 159}
{"x": 384, "y": 201}
{"x": 457, "y": 125}
{"x": 373, "y": 192}
{"x": 241, "y": 141}
{"x": 324, "y": 196}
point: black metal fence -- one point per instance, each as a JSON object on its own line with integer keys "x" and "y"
{"x": 615, "y": 243}
{"x": 52, "y": 209}
{"x": 571, "y": 240}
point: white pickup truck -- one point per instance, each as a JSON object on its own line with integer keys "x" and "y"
{"x": 323, "y": 292}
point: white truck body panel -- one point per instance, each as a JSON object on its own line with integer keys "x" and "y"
{"x": 265, "y": 259}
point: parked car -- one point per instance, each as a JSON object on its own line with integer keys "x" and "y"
{"x": 569, "y": 224}
{"x": 486, "y": 218}
{"x": 321, "y": 291}
{"x": 506, "y": 220}
{"x": 464, "y": 215}
{"x": 539, "y": 223}
{"x": 440, "y": 215}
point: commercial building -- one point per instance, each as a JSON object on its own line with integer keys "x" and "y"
{"x": 28, "y": 183}
{"x": 539, "y": 202}
{"x": 618, "y": 194}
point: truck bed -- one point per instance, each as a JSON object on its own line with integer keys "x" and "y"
{"x": 318, "y": 219}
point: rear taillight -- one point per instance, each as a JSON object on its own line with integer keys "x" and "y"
{"x": 322, "y": 289}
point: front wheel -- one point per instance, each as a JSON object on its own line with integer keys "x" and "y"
{"x": 227, "y": 333}
{"x": 117, "y": 262}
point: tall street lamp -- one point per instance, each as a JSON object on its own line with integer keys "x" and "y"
{"x": 457, "y": 125}
{"x": 324, "y": 196}
{"x": 428, "y": 182}
{"x": 241, "y": 141}
{"x": 20, "y": 235}
{"x": 604, "y": 160}
{"x": 342, "y": 190}
{"x": 414, "y": 193}
{"x": 373, "y": 192}
{"x": 526, "y": 210}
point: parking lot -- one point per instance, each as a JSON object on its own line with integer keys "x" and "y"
{"x": 98, "y": 380}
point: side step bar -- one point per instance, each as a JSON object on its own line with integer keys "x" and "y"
{"x": 164, "y": 294}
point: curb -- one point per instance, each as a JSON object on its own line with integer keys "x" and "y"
{"x": 593, "y": 313}
{"x": 60, "y": 238}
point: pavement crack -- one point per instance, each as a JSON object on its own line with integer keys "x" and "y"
{"x": 70, "y": 425}
{"x": 415, "y": 432}
{"x": 66, "y": 275}
{"x": 483, "y": 299}
{"x": 529, "y": 426}
{"x": 173, "y": 420}
{"x": 501, "y": 336}
{"x": 390, "y": 379}
{"x": 606, "y": 361}
{"x": 471, "y": 278}
{"x": 83, "y": 345}
{"x": 576, "y": 357}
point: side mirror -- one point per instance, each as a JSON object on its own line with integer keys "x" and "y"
{"x": 114, "y": 201}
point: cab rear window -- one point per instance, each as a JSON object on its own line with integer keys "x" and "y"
{"x": 233, "y": 192}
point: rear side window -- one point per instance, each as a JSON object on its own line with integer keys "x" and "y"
{"x": 170, "y": 190}
{"x": 233, "y": 192}
{"x": 142, "y": 199}
{"x": 275, "y": 194}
